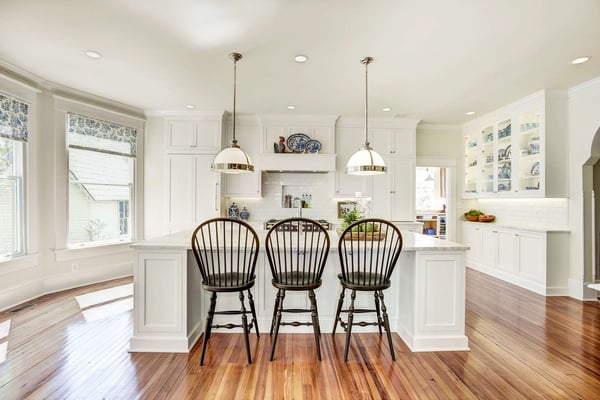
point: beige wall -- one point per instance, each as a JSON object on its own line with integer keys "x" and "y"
{"x": 439, "y": 141}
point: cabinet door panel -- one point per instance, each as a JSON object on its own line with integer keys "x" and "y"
{"x": 181, "y": 134}
{"x": 182, "y": 186}
{"x": 403, "y": 196}
{"x": 207, "y": 197}
{"x": 507, "y": 259}
{"x": 532, "y": 260}
{"x": 489, "y": 240}
{"x": 472, "y": 237}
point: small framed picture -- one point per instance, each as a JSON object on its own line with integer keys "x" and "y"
{"x": 343, "y": 206}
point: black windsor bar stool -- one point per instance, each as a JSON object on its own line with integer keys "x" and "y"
{"x": 297, "y": 257}
{"x": 226, "y": 251}
{"x": 367, "y": 259}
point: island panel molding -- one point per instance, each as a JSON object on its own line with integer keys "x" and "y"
{"x": 426, "y": 301}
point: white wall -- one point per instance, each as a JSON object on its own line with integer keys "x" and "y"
{"x": 584, "y": 123}
{"x": 49, "y": 265}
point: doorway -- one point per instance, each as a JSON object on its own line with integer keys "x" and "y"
{"x": 435, "y": 199}
{"x": 431, "y": 200}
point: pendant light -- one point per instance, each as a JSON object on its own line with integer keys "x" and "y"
{"x": 366, "y": 161}
{"x": 429, "y": 177}
{"x": 233, "y": 160}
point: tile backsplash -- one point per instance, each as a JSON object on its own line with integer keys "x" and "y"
{"x": 276, "y": 185}
{"x": 548, "y": 213}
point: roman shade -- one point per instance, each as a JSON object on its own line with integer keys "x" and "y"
{"x": 87, "y": 133}
{"x": 13, "y": 118}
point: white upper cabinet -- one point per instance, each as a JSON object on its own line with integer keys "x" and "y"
{"x": 518, "y": 150}
{"x": 393, "y": 194}
{"x": 197, "y": 133}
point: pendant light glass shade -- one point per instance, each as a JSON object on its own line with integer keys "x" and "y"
{"x": 233, "y": 160}
{"x": 366, "y": 161}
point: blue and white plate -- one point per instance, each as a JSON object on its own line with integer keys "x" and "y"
{"x": 297, "y": 141}
{"x": 312, "y": 146}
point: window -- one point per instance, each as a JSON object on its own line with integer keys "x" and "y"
{"x": 124, "y": 217}
{"x": 101, "y": 180}
{"x": 430, "y": 188}
{"x": 13, "y": 133}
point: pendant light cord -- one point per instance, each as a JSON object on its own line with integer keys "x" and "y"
{"x": 366, "y": 61}
{"x": 367, "y": 103}
{"x": 235, "y": 57}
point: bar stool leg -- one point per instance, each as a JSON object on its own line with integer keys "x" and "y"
{"x": 350, "y": 320}
{"x": 208, "y": 327}
{"x": 379, "y": 321}
{"x": 386, "y": 322}
{"x": 281, "y": 296}
{"x": 339, "y": 309}
{"x": 275, "y": 312}
{"x": 254, "y": 320}
{"x": 245, "y": 327}
{"x": 315, "y": 320}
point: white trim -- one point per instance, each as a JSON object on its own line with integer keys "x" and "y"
{"x": 20, "y": 263}
{"x": 287, "y": 120}
{"x": 101, "y": 273}
{"x": 201, "y": 114}
{"x": 583, "y": 86}
{"x": 438, "y": 127}
{"x": 69, "y": 104}
{"x": 22, "y": 293}
{"x": 92, "y": 251}
{"x": 390, "y": 123}
{"x": 17, "y": 81}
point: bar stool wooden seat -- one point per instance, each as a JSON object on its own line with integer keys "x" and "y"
{"x": 226, "y": 251}
{"x": 297, "y": 250}
{"x": 368, "y": 257}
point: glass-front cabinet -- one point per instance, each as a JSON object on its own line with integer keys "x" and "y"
{"x": 506, "y": 151}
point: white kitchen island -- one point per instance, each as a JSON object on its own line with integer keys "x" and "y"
{"x": 426, "y": 302}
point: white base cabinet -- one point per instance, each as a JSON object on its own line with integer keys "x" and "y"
{"x": 534, "y": 260}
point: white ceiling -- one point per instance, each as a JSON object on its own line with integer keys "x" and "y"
{"x": 434, "y": 60}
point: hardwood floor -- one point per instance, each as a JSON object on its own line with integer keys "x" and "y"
{"x": 523, "y": 346}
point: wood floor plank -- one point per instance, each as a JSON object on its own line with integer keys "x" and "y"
{"x": 523, "y": 346}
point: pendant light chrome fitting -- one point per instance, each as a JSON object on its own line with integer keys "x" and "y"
{"x": 366, "y": 161}
{"x": 233, "y": 160}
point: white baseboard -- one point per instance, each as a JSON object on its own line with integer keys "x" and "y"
{"x": 21, "y": 293}
{"x": 29, "y": 290}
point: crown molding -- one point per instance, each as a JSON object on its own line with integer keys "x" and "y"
{"x": 309, "y": 120}
{"x": 584, "y": 86}
{"x": 389, "y": 123}
{"x": 439, "y": 127}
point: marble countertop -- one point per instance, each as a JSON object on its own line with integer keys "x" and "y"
{"x": 411, "y": 242}
{"x": 524, "y": 227}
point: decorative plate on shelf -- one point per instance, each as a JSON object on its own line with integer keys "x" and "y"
{"x": 312, "y": 146}
{"x": 297, "y": 141}
{"x": 535, "y": 169}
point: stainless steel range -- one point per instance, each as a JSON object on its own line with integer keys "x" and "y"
{"x": 293, "y": 227}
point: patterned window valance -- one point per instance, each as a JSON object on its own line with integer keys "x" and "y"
{"x": 13, "y": 118}
{"x": 103, "y": 136}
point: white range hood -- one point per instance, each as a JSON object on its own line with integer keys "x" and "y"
{"x": 319, "y": 163}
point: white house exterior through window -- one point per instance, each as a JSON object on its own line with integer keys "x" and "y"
{"x": 101, "y": 180}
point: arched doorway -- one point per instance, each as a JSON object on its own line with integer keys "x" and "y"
{"x": 591, "y": 213}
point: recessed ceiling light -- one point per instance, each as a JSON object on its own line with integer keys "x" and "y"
{"x": 470, "y": 112}
{"x": 190, "y": 106}
{"x": 301, "y": 58}
{"x": 386, "y": 109}
{"x": 93, "y": 54}
{"x": 580, "y": 60}
{"x": 290, "y": 107}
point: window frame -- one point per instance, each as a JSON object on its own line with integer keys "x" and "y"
{"x": 64, "y": 251}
